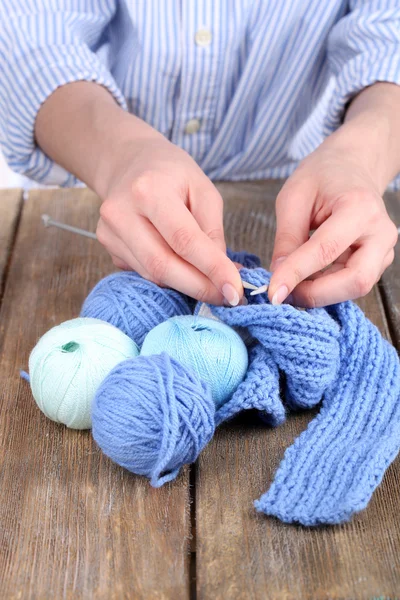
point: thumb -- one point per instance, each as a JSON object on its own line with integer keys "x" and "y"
{"x": 293, "y": 217}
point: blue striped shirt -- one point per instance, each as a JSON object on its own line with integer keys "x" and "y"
{"x": 247, "y": 87}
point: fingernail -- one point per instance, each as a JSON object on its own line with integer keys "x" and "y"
{"x": 230, "y": 294}
{"x": 280, "y": 294}
{"x": 277, "y": 262}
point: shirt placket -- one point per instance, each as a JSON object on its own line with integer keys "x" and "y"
{"x": 195, "y": 111}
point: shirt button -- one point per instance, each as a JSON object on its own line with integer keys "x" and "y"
{"x": 192, "y": 126}
{"x": 203, "y": 37}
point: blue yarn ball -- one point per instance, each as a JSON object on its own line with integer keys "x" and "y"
{"x": 133, "y": 304}
{"x": 212, "y": 349}
{"x": 151, "y": 415}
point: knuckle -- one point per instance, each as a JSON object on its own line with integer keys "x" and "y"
{"x": 144, "y": 185}
{"x": 297, "y": 276}
{"x": 288, "y": 238}
{"x": 390, "y": 258}
{"x": 363, "y": 283}
{"x": 357, "y": 196}
{"x": 393, "y": 235}
{"x": 328, "y": 252}
{"x": 107, "y": 211}
{"x": 212, "y": 271}
{"x": 117, "y": 262}
{"x": 215, "y": 234}
{"x": 202, "y": 294}
{"x": 182, "y": 242}
{"x": 215, "y": 197}
{"x": 101, "y": 233}
{"x": 309, "y": 299}
{"x": 157, "y": 268}
{"x": 285, "y": 193}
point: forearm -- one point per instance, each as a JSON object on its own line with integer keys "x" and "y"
{"x": 82, "y": 128}
{"x": 371, "y": 132}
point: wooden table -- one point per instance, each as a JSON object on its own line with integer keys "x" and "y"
{"x": 74, "y": 525}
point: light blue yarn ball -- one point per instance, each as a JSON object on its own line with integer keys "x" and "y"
{"x": 68, "y": 364}
{"x": 133, "y": 304}
{"x": 212, "y": 349}
{"x": 151, "y": 415}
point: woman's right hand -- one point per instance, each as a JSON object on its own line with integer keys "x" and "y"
{"x": 161, "y": 215}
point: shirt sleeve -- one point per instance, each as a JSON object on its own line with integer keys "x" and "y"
{"x": 363, "y": 48}
{"x": 44, "y": 45}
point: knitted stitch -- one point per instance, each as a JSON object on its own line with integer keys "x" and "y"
{"x": 133, "y": 304}
{"x": 250, "y": 261}
{"x": 259, "y": 390}
{"x": 335, "y": 465}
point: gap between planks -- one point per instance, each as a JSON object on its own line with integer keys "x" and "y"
{"x": 14, "y": 226}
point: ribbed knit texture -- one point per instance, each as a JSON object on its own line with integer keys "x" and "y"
{"x": 336, "y": 355}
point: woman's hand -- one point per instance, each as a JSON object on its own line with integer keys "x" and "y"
{"x": 335, "y": 191}
{"x": 161, "y": 215}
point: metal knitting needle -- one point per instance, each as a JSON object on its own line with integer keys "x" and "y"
{"x": 49, "y": 222}
{"x": 248, "y": 286}
{"x": 260, "y": 290}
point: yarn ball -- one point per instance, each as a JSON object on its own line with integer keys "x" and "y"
{"x": 133, "y": 304}
{"x": 152, "y": 415}
{"x": 212, "y": 349}
{"x": 69, "y": 363}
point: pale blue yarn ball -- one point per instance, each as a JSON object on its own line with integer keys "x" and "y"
{"x": 69, "y": 363}
{"x": 133, "y": 304}
{"x": 212, "y": 349}
{"x": 151, "y": 415}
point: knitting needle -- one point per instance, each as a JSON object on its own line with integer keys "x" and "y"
{"x": 260, "y": 290}
{"x": 48, "y": 222}
{"x": 248, "y": 286}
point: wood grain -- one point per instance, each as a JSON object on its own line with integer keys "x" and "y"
{"x": 390, "y": 282}
{"x": 10, "y": 208}
{"x": 72, "y": 524}
{"x": 243, "y": 555}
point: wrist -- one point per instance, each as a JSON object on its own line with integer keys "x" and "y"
{"x": 122, "y": 137}
{"x": 83, "y": 129}
{"x": 366, "y": 141}
{"x": 372, "y": 131}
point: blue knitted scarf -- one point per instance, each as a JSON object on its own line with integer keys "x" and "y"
{"x": 335, "y": 355}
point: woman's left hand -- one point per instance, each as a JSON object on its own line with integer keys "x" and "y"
{"x": 334, "y": 192}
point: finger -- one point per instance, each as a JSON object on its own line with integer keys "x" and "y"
{"x": 153, "y": 259}
{"x": 336, "y": 266}
{"x": 341, "y": 263}
{"x": 120, "y": 263}
{"x": 328, "y": 242}
{"x": 121, "y": 256}
{"x": 356, "y": 279}
{"x": 184, "y": 236}
{"x": 206, "y": 205}
{"x": 389, "y": 258}
{"x": 292, "y": 224}
{"x": 167, "y": 269}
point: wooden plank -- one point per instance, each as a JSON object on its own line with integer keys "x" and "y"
{"x": 10, "y": 208}
{"x": 72, "y": 524}
{"x": 244, "y": 555}
{"x": 390, "y": 282}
